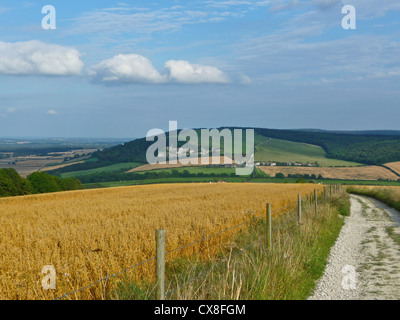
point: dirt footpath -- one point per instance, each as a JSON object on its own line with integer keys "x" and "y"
{"x": 364, "y": 263}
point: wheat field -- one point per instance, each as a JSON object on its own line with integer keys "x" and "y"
{"x": 90, "y": 234}
{"x": 351, "y": 173}
{"x": 395, "y": 166}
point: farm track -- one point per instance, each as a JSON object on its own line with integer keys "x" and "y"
{"x": 366, "y": 255}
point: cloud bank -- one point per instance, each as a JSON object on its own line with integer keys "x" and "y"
{"x": 134, "y": 68}
{"x": 38, "y": 58}
{"x": 42, "y": 59}
{"x": 184, "y": 72}
{"x": 128, "y": 68}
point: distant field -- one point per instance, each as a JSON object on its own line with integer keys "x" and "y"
{"x": 330, "y": 181}
{"x": 237, "y": 179}
{"x": 198, "y": 169}
{"x": 55, "y": 167}
{"x": 119, "y": 167}
{"x": 110, "y": 184}
{"x": 27, "y": 165}
{"x": 395, "y": 166}
{"x": 268, "y": 149}
{"x": 350, "y": 173}
{"x": 148, "y": 167}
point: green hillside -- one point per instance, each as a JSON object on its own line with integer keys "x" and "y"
{"x": 119, "y": 167}
{"x": 269, "y": 149}
{"x": 326, "y": 148}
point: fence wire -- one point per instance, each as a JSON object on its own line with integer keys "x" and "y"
{"x": 105, "y": 278}
{"x": 215, "y": 234}
{"x": 240, "y": 251}
{"x": 294, "y": 203}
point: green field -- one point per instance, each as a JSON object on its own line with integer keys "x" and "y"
{"x": 268, "y": 149}
{"x": 72, "y": 161}
{"x": 231, "y": 179}
{"x": 157, "y": 181}
{"x": 196, "y": 170}
{"x": 119, "y": 167}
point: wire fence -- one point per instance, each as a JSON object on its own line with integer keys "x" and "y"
{"x": 293, "y": 220}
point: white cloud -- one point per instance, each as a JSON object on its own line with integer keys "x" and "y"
{"x": 134, "y": 68}
{"x": 52, "y": 112}
{"x": 126, "y": 68}
{"x": 185, "y": 72}
{"x": 38, "y": 58}
{"x": 11, "y": 110}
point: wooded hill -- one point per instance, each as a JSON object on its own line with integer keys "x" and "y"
{"x": 357, "y": 147}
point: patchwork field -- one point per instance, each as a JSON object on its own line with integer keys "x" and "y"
{"x": 89, "y": 234}
{"x": 25, "y": 165}
{"x": 350, "y": 173}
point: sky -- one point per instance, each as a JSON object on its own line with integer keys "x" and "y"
{"x": 121, "y": 68}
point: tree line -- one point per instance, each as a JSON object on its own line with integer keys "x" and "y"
{"x": 12, "y": 184}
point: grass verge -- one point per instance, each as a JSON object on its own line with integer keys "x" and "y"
{"x": 246, "y": 270}
{"x": 390, "y": 196}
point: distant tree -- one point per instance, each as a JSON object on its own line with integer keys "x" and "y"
{"x": 71, "y": 184}
{"x": 280, "y": 175}
{"x": 43, "y": 182}
{"x": 12, "y": 184}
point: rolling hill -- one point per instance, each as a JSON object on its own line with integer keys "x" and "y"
{"x": 278, "y": 150}
{"x": 327, "y": 149}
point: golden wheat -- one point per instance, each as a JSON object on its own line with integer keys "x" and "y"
{"x": 90, "y": 234}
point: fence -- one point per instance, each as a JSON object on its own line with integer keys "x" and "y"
{"x": 161, "y": 253}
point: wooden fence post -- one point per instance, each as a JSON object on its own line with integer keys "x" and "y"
{"x": 160, "y": 264}
{"x": 299, "y": 207}
{"x": 316, "y": 200}
{"x": 269, "y": 227}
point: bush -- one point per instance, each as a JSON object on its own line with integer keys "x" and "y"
{"x": 12, "y": 184}
{"x": 43, "y": 182}
{"x": 71, "y": 184}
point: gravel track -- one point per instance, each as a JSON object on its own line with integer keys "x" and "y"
{"x": 364, "y": 263}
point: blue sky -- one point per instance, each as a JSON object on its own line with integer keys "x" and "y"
{"x": 121, "y": 68}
